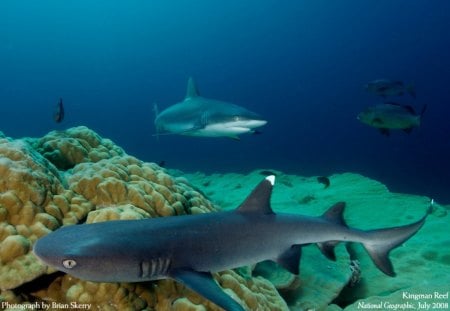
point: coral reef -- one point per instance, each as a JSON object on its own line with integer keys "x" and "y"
{"x": 31, "y": 190}
{"x": 65, "y": 149}
{"x": 73, "y": 176}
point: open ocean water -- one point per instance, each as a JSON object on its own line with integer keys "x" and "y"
{"x": 300, "y": 64}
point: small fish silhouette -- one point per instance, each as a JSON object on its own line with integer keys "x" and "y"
{"x": 59, "y": 112}
{"x": 324, "y": 180}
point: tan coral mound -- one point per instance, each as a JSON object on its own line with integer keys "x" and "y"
{"x": 28, "y": 186}
{"x": 125, "y": 179}
{"x": 65, "y": 149}
{"x": 73, "y": 176}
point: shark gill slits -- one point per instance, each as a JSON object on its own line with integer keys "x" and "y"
{"x": 154, "y": 268}
{"x": 204, "y": 120}
{"x": 69, "y": 263}
{"x": 144, "y": 268}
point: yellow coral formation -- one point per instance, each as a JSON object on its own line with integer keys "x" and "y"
{"x": 101, "y": 296}
{"x": 26, "y": 188}
{"x": 65, "y": 149}
{"x": 72, "y": 176}
{"x": 125, "y": 179}
{"x": 123, "y": 212}
{"x": 256, "y": 293}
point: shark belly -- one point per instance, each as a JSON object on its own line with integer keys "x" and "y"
{"x": 218, "y": 130}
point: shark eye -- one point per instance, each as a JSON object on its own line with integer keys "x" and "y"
{"x": 69, "y": 263}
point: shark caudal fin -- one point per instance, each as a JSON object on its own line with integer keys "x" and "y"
{"x": 380, "y": 242}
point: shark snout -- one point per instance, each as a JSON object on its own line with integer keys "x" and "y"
{"x": 255, "y": 123}
{"x": 245, "y": 122}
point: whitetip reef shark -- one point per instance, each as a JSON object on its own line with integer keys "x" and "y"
{"x": 189, "y": 248}
{"x": 200, "y": 116}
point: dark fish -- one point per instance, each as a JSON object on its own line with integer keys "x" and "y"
{"x": 59, "y": 112}
{"x": 391, "y": 116}
{"x": 162, "y": 163}
{"x": 384, "y": 88}
{"x": 324, "y": 180}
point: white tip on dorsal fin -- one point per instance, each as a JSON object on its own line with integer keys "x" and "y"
{"x": 191, "y": 91}
{"x": 259, "y": 200}
{"x": 271, "y": 178}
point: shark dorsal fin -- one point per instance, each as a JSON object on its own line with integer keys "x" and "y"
{"x": 259, "y": 200}
{"x": 192, "y": 90}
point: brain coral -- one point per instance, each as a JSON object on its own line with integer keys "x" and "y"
{"x": 73, "y": 176}
{"x": 65, "y": 149}
{"x": 33, "y": 202}
{"x": 125, "y": 179}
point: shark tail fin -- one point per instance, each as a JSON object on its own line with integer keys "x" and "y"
{"x": 380, "y": 242}
{"x": 334, "y": 215}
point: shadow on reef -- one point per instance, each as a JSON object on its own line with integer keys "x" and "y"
{"x": 25, "y": 290}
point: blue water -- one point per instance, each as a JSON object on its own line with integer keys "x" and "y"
{"x": 301, "y": 64}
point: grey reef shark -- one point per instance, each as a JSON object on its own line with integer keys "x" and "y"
{"x": 189, "y": 248}
{"x": 200, "y": 116}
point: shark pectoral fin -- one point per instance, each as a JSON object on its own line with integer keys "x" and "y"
{"x": 204, "y": 284}
{"x": 290, "y": 259}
